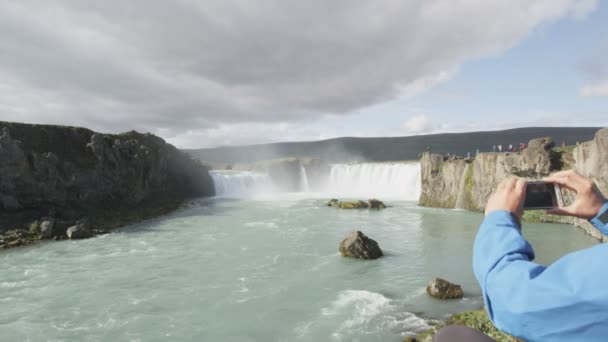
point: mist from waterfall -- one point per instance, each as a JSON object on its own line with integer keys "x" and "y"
{"x": 381, "y": 180}
{"x": 239, "y": 184}
{"x": 400, "y": 181}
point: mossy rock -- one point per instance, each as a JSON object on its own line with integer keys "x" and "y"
{"x": 353, "y": 205}
{"x": 477, "y": 319}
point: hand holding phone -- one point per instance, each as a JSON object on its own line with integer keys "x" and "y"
{"x": 589, "y": 199}
{"x": 543, "y": 195}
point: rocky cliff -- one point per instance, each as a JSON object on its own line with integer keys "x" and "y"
{"x": 467, "y": 184}
{"x": 68, "y": 173}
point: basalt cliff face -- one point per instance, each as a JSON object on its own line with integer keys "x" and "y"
{"x": 467, "y": 184}
{"x": 66, "y": 173}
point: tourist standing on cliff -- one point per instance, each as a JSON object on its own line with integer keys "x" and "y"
{"x": 499, "y": 148}
{"x": 494, "y": 148}
{"x": 565, "y": 301}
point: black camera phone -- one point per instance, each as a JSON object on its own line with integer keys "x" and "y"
{"x": 542, "y": 195}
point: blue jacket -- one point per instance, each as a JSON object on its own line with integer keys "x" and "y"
{"x": 566, "y": 301}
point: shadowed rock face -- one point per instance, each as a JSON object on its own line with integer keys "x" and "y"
{"x": 71, "y": 172}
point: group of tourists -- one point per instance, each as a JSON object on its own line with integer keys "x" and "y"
{"x": 509, "y": 148}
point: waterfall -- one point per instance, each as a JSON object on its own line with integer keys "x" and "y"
{"x": 304, "y": 186}
{"x": 460, "y": 199}
{"x": 382, "y": 180}
{"x": 240, "y": 183}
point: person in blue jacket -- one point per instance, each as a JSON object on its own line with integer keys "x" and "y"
{"x": 565, "y": 301}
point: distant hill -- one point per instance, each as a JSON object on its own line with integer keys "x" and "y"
{"x": 393, "y": 148}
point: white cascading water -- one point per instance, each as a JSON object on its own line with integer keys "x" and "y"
{"x": 381, "y": 180}
{"x": 240, "y": 183}
{"x": 304, "y": 186}
{"x": 399, "y": 181}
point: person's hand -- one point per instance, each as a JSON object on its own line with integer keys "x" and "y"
{"x": 589, "y": 199}
{"x": 509, "y": 196}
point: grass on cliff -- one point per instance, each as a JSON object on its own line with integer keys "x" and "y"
{"x": 477, "y": 319}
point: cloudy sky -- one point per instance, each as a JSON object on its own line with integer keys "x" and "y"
{"x": 225, "y": 72}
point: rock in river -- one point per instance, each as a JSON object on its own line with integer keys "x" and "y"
{"x": 82, "y": 230}
{"x": 357, "y": 245}
{"x": 47, "y": 228}
{"x": 376, "y": 204}
{"x": 443, "y": 289}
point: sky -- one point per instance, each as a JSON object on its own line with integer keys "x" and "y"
{"x": 232, "y": 72}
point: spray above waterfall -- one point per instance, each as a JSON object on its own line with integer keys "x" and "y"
{"x": 400, "y": 181}
{"x": 382, "y": 180}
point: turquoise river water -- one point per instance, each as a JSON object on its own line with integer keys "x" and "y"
{"x": 251, "y": 270}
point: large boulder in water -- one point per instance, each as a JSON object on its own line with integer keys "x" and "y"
{"x": 82, "y": 230}
{"x": 357, "y": 245}
{"x": 333, "y": 203}
{"x": 47, "y": 228}
{"x": 376, "y": 204}
{"x": 443, "y": 289}
{"x": 353, "y": 205}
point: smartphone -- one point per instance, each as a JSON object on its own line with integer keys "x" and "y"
{"x": 541, "y": 195}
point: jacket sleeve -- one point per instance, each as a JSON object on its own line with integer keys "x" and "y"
{"x": 567, "y": 300}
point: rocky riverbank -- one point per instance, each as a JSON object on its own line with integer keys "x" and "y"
{"x": 467, "y": 184}
{"x": 64, "y": 174}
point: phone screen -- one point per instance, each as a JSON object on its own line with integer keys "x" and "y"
{"x": 540, "y": 195}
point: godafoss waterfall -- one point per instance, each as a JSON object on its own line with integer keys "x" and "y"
{"x": 258, "y": 262}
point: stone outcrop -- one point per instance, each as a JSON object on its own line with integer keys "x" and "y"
{"x": 370, "y": 204}
{"x": 353, "y": 205}
{"x": 81, "y": 230}
{"x": 443, "y": 289}
{"x": 591, "y": 160}
{"x": 47, "y": 228}
{"x": 448, "y": 183}
{"x": 376, "y": 204}
{"x": 358, "y": 245}
{"x": 66, "y": 173}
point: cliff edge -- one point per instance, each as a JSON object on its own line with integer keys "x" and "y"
{"x": 67, "y": 173}
{"x": 467, "y": 184}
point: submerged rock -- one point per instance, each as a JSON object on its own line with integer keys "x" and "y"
{"x": 443, "y": 289}
{"x": 357, "y": 245}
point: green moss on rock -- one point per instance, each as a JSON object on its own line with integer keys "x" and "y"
{"x": 477, "y": 319}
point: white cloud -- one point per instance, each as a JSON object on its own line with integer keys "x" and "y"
{"x": 175, "y": 67}
{"x": 421, "y": 124}
{"x": 595, "y": 89}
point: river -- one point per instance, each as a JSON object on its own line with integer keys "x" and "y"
{"x": 251, "y": 269}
